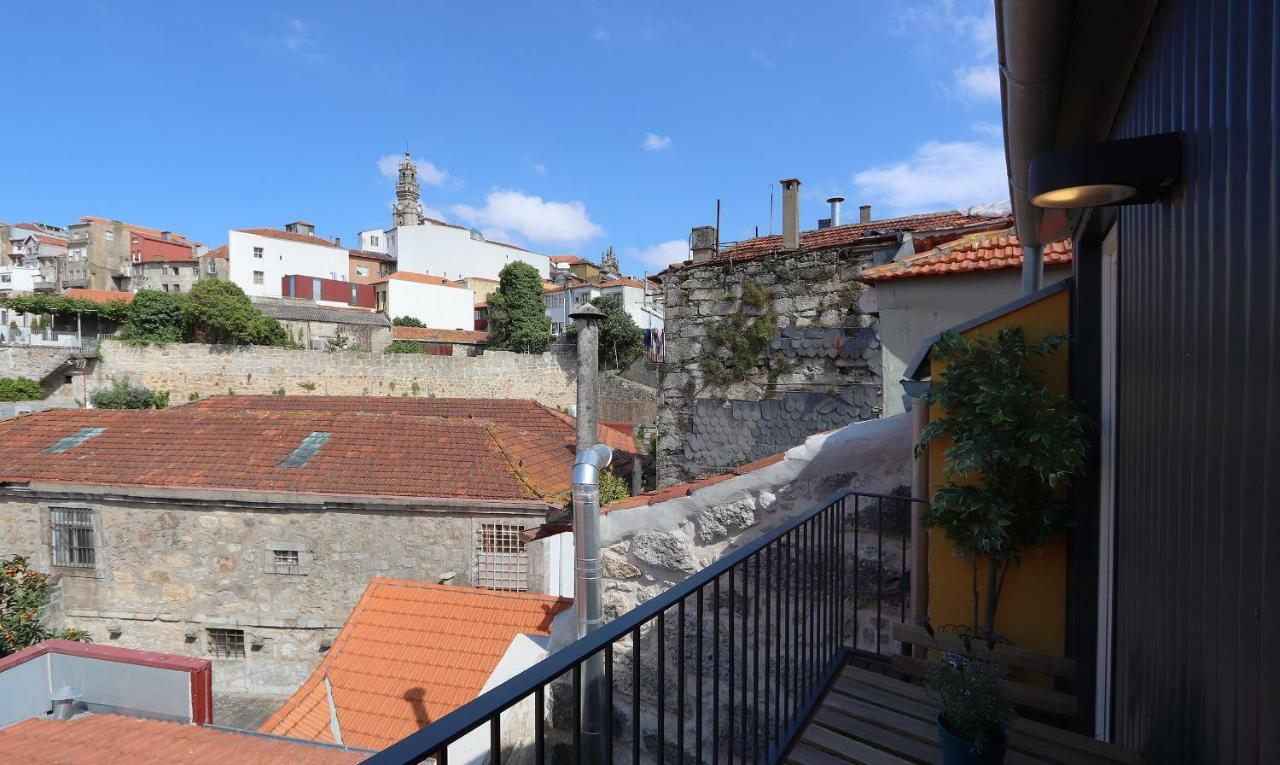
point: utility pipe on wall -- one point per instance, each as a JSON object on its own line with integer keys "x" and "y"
{"x": 1032, "y": 269}
{"x": 587, "y": 591}
{"x": 919, "y": 535}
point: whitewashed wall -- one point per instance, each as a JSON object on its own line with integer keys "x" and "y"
{"x": 451, "y": 252}
{"x": 280, "y": 257}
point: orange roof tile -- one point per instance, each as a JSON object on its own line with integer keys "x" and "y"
{"x": 976, "y": 252}
{"x": 485, "y": 449}
{"x": 291, "y": 236}
{"x": 409, "y": 276}
{"x": 217, "y": 252}
{"x": 625, "y": 281}
{"x": 410, "y": 653}
{"x": 428, "y": 335}
{"x": 852, "y": 233}
{"x": 56, "y": 241}
{"x": 569, "y": 259}
{"x": 685, "y": 489}
{"x": 98, "y": 296}
{"x": 103, "y": 739}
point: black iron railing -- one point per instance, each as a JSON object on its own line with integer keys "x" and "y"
{"x": 725, "y": 666}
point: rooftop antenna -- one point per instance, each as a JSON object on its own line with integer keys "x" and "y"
{"x": 770, "y": 209}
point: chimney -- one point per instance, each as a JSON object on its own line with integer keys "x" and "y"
{"x": 702, "y": 241}
{"x": 835, "y": 203}
{"x": 790, "y": 213}
{"x": 165, "y": 235}
{"x": 337, "y": 240}
{"x": 864, "y": 213}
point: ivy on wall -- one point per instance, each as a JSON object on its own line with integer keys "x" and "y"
{"x": 736, "y": 344}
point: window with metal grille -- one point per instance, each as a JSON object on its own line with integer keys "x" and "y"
{"x": 226, "y": 643}
{"x": 285, "y": 562}
{"x": 72, "y": 536}
{"x": 502, "y": 563}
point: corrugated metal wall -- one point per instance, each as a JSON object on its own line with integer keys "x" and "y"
{"x": 1198, "y": 508}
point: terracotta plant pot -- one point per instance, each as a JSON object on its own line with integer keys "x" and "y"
{"x": 957, "y": 751}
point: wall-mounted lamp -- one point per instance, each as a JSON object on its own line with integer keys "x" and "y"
{"x": 1125, "y": 172}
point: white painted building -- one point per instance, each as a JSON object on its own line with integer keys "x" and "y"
{"x": 454, "y": 252}
{"x": 373, "y": 240}
{"x": 429, "y": 299}
{"x": 18, "y": 279}
{"x": 642, "y": 301}
{"x": 258, "y": 258}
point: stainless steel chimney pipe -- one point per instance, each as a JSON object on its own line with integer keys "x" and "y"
{"x": 587, "y": 591}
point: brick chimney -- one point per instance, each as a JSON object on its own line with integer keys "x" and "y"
{"x": 790, "y": 213}
{"x": 864, "y": 213}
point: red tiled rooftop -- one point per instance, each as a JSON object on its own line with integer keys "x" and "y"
{"x": 291, "y": 236}
{"x": 568, "y": 259}
{"x": 428, "y": 335}
{"x": 98, "y": 296}
{"x": 468, "y": 449}
{"x": 217, "y": 252}
{"x": 409, "y": 276}
{"x": 139, "y": 229}
{"x": 852, "y": 233}
{"x": 410, "y": 653}
{"x": 107, "y": 739}
{"x": 976, "y": 252}
{"x": 685, "y": 489}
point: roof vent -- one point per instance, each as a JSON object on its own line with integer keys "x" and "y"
{"x": 64, "y": 702}
{"x": 306, "y": 450}
{"x": 476, "y": 235}
{"x": 74, "y": 440}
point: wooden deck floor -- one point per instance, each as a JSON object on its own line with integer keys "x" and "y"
{"x": 873, "y": 719}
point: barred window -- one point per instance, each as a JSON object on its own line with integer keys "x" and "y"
{"x": 226, "y": 643}
{"x": 285, "y": 562}
{"x": 502, "y": 563}
{"x": 73, "y": 543}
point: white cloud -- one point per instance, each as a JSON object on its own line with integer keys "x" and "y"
{"x": 428, "y": 173}
{"x": 538, "y": 168}
{"x": 297, "y": 37}
{"x": 977, "y": 83}
{"x": 432, "y": 212}
{"x": 600, "y": 35}
{"x": 655, "y": 142}
{"x": 659, "y": 256}
{"x": 531, "y": 217}
{"x": 759, "y": 56}
{"x": 939, "y": 175}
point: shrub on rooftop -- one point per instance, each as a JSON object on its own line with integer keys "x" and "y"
{"x": 404, "y": 346}
{"x": 123, "y": 395}
{"x": 406, "y": 321}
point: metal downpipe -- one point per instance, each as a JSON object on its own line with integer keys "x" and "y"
{"x": 587, "y": 592}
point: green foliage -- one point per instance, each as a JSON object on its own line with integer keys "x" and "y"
{"x": 415, "y": 389}
{"x": 24, "y": 593}
{"x": 220, "y": 312}
{"x": 621, "y": 339}
{"x": 122, "y": 395}
{"x": 307, "y": 386}
{"x": 277, "y": 391}
{"x": 404, "y": 346}
{"x": 53, "y": 305}
{"x": 737, "y": 343}
{"x": 1014, "y": 444}
{"x": 966, "y": 692}
{"x": 613, "y": 487}
{"x": 20, "y": 389}
{"x": 193, "y": 396}
{"x": 339, "y": 342}
{"x": 155, "y": 317}
{"x": 518, "y": 318}
{"x": 406, "y": 321}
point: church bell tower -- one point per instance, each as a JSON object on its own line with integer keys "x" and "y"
{"x": 407, "y": 209}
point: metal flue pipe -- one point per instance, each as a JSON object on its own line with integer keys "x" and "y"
{"x": 587, "y": 590}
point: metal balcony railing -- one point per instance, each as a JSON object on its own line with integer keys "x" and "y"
{"x": 725, "y": 666}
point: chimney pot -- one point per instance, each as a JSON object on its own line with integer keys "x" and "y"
{"x": 864, "y": 213}
{"x": 790, "y": 213}
{"x": 702, "y": 242}
{"x": 835, "y": 203}
{"x": 337, "y": 240}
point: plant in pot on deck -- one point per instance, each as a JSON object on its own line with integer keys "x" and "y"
{"x": 1013, "y": 447}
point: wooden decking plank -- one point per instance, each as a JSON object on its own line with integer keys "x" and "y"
{"x": 884, "y": 698}
{"x": 806, "y": 754}
{"x": 1026, "y": 695}
{"x": 1074, "y": 743}
{"x": 847, "y": 747}
{"x": 1018, "y": 658}
{"x": 879, "y": 735}
{"x": 886, "y": 683}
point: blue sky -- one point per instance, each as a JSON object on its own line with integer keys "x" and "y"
{"x": 562, "y": 126}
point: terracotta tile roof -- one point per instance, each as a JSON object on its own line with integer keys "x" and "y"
{"x": 106, "y": 739}
{"x": 291, "y": 236}
{"x": 98, "y": 296}
{"x": 410, "y": 653}
{"x": 625, "y": 281}
{"x": 367, "y": 255}
{"x": 56, "y": 241}
{"x": 217, "y": 252}
{"x": 975, "y": 252}
{"x": 140, "y": 229}
{"x": 467, "y": 449}
{"x": 428, "y": 335}
{"x": 409, "y": 276}
{"x": 685, "y": 489}
{"x": 852, "y": 233}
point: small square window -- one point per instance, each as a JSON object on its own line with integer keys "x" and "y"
{"x": 257, "y": 252}
{"x": 501, "y": 560}
{"x": 226, "y": 643}
{"x": 257, "y": 277}
{"x": 286, "y": 562}
{"x": 73, "y": 543}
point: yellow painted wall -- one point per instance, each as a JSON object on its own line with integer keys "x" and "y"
{"x": 1033, "y": 606}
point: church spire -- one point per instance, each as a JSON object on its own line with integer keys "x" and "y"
{"x": 407, "y": 209}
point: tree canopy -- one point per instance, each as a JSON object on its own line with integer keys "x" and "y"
{"x": 406, "y": 321}
{"x": 621, "y": 339}
{"x": 220, "y": 312}
{"x": 155, "y": 317}
{"x": 20, "y": 389}
{"x": 518, "y": 318}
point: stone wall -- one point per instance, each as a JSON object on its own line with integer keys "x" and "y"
{"x": 624, "y": 400}
{"x": 820, "y": 364}
{"x": 204, "y": 370}
{"x": 33, "y": 363}
{"x": 166, "y": 571}
{"x": 649, "y": 548}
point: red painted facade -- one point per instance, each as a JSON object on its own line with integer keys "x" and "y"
{"x": 151, "y": 249}
{"x": 330, "y": 290}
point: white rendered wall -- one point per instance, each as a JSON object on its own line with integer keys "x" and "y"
{"x": 20, "y": 279}
{"x": 280, "y": 257}
{"x": 367, "y": 242}
{"x": 435, "y": 305}
{"x": 452, "y": 253}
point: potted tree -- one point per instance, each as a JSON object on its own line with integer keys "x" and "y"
{"x": 1013, "y": 446}
{"x": 971, "y": 712}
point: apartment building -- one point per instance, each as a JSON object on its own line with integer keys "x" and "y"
{"x": 100, "y": 252}
{"x": 259, "y": 258}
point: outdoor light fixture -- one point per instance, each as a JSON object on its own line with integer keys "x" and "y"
{"x": 1125, "y": 172}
